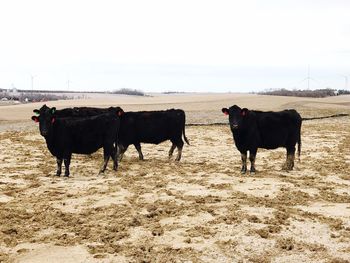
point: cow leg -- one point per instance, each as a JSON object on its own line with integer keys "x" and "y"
{"x": 59, "y": 166}
{"x": 106, "y": 154}
{"x": 115, "y": 159}
{"x": 290, "y": 158}
{"x": 252, "y": 155}
{"x": 121, "y": 150}
{"x": 171, "y": 151}
{"x": 179, "y": 146}
{"x": 244, "y": 162}
{"x": 138, "y": 148}
{"x": 291, "y": 161}
{"x": 66, "y": 165}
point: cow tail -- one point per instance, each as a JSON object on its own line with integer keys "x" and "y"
{"x": 183, "y": 127}
{"x": 183, "y": 132}
{"x": 299, "y": 146}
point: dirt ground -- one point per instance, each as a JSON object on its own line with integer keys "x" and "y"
{"x": 199, "y": 210}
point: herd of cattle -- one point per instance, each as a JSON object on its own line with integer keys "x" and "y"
{"x": 84, "y": 130}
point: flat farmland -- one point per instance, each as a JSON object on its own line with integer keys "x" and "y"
{"x": 198, "y": 210}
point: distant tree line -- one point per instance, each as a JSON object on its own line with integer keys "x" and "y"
{"x": 133, "y": 92}
{"x": 343, "y": 92}
{"x": 32, "y": 97}
{"x": 318, "y": 93}
{"x": 173, "y": 92}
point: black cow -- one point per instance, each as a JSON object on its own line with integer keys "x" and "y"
{"x": 152, "y": 127}
{"x": 65, "y": 136}
{"x": 269, "y": 130}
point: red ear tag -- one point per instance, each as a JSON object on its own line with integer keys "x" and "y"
{"x": 53, "y": 120}
{"x": 120, "y": 113}
{"x": 36, "y": 120}
{"x": 226, "y": 113}
{"x": 243, "y": 113}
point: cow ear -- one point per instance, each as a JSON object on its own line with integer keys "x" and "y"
{"x": 53, "y": 110}
{"x": 120, "y": 112}
{"x": 35, "y": 118}
{"x": 244, "y": 112}
{"x": 225, "y": 111}
{"x": 37, "y": 112}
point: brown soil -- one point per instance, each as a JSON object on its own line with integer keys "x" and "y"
{"x": 199, "y": 210}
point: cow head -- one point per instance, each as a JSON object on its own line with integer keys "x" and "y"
{"x": 119, "y": 111}
{"x": 45, "y": 118}
{"x": 236, "y": 116}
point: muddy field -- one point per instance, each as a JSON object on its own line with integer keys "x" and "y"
{"x": 199, "y": 210}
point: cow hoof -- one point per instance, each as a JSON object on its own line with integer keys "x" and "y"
{"x": 243, "y": 172}
{"x": 58, "y": 175}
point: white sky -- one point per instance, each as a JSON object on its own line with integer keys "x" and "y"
{"x": 174, "y": 45}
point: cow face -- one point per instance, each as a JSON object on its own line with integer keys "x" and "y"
{"x": 119, "y": 111}
{"x": 236, "y": 116}
{"x": 45, "y": 119}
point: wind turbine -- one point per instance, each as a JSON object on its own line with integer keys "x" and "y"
{"x": 308, "y": 78}
{"x": 346, "y": 81}
{"x": 68, "y": 83}
{"x": 32, "y": 82}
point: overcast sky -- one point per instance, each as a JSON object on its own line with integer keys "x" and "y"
{"x": 245, "y": 45}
